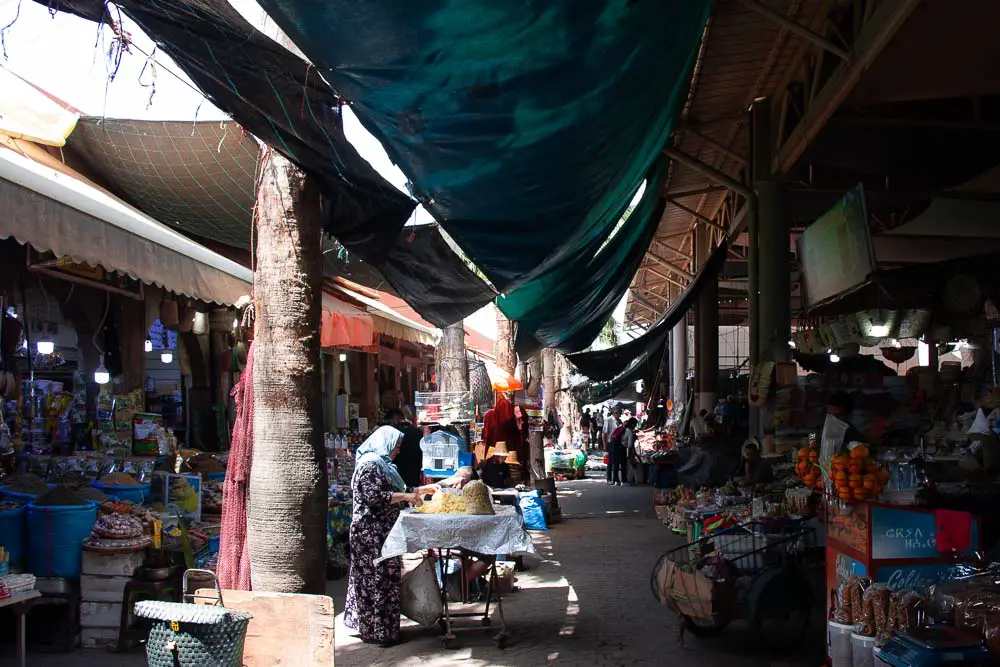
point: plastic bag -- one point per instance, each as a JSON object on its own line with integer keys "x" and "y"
{"x": 532, "y": 510}
{"x": 419, "y": 595}
{"x": 832, "y": 438}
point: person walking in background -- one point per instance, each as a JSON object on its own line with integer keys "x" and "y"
{"x": 585, "y": 422}
{"x": 610, "y": 426}
{"x": 630, "y": 460}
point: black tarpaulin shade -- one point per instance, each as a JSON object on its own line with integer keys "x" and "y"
{"x": 604, "y": 365}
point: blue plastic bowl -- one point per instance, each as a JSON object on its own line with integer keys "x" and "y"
{"x": 133, "y": 494}
{"x": 14, "y": 495}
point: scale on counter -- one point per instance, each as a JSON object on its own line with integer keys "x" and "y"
{"x": 933, "y": 646}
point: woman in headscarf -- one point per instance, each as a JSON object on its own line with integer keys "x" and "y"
{"x": 372, "y": 606}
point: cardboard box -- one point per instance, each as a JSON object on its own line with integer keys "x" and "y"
{"x": 694, "y": 595}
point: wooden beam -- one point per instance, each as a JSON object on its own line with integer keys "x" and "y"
{"x": 672, "y": 249}
{"x": 670, "y": 280}
{"x": 879, "y": 31}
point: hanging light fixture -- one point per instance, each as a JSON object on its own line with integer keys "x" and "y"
{"x": 148, "y": 345}
{"x": 166, "y": 356}
{"x": 343, "y": 356}
{"x": 101, "y": 375}
{"x": 44, "y": 344}
{"x": 880, "y": 330}
{"x": 834, "y": 357}
{"x": 791, "y": 344}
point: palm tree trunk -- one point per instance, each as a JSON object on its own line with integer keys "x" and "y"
{"x": 286, "y": 516}
{"x": 453, "y": 366}
{"x": 503, "y": 347}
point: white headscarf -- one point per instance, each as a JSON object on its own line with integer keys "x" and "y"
{"x": 377, "y": 449}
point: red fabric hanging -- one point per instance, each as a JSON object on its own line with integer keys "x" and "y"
{"x": 954, "y": 531}
{"x": 234, "y": 556}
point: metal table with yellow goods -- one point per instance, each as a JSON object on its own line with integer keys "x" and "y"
{"x": 462, "y": 522}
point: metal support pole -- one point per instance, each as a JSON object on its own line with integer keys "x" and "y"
{"x": 670, "y": 265}
{"x": 698, "y": 216}
{"x": 706, "y": 363}
{"x": 797, "y": 28}
{"x": 707, "y": 171}
{"x": 679, "y": 352}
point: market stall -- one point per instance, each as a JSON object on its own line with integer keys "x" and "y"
{"x": 457, "y": 525}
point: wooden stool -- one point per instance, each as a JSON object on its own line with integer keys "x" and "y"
{"x": 137, "y": 590}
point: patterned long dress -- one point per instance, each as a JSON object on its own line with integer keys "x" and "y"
{"x": 372, "y": 606}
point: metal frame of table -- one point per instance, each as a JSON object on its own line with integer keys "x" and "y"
{"x": 492, "y": 583}
{"x": 19, "y": 605}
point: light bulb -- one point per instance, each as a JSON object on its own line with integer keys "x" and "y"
{"x": 343, "y": 357}
{"x": 24, "y": 344}
{"x": 101, "y": 375}
{"x": 166, "y": 356}
{"x": 791, "y": 344}
{"x": 880, "y": 330}
{"x": 896, "y": 343}
{"x": 236, "y": 324}
{"x": 834, "y": 357}
{"x": 148, "y": 345}
{"x": 45, "y": 345}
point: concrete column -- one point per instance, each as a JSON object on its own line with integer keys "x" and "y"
{"x": 706, "y": 350}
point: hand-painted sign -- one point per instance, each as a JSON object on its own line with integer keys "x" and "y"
{"x": 900, "y": 533}
{"x": 918, "y": 576}
{"x": 840, "y": 568}
{"x": 851, "y": 529}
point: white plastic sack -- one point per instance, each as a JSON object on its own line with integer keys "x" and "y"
{"x": 832, "y": 438}
{"x": 419, "y": 595}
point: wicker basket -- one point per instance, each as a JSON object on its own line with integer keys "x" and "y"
{"x": 193, "y": 635}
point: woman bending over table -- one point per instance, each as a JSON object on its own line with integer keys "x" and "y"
{"x": 372, "y": 606}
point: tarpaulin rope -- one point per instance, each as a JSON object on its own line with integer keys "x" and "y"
{"x": 234, "y": 556}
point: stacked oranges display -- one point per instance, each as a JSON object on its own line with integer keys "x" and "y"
{"x": 808, "y": 469}
{"x": 856, "y": 476}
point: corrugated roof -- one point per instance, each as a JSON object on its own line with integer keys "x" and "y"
{"x": 743, "y": 56}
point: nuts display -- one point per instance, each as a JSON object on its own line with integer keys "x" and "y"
{"x": 117, "y": 526}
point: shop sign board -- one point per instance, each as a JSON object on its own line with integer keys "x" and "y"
{"x": 899, "y": 533}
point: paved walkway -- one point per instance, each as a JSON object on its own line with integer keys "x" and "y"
{"x": 588, "y": 602}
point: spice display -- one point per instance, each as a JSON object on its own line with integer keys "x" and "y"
{"x": 25, "y": 483}
{"x": 443, "y": 503}
{"x": 117, "y": 526}
{"x": 95, "y": 542}
{"x": 119, "y": 479}
{"x": 61, "y": 496}
{"x": 477, "y": 498}
{"x": 7, "y": 505}
{"x": 90, "y": 493}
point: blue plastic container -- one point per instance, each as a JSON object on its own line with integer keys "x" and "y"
{"x": 213, "y": 544}
{"x": 215, "y": 476}
{"x": 14, "y": 495}
{"x": 12, "y": 534}
{"x": 55, "y": 538}
{"x": 134, "y": 494}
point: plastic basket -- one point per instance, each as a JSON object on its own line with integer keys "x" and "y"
{"x": 193, "y": 635}
{"x": 12, "y": 534}
{"x": 55, "y": 538}
{"x": 134, "y": 494}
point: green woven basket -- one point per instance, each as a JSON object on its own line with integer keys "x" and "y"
{"x": 193, "y": 635}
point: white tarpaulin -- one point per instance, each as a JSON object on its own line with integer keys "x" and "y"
{"x": 502, "y": 533}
